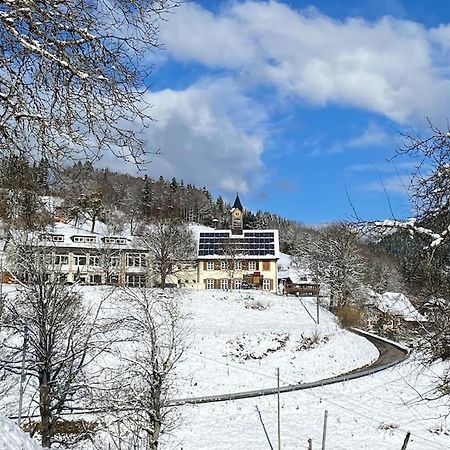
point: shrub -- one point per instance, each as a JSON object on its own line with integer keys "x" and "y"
{"x": 349, "y": 316}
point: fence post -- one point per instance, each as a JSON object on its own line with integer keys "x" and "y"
{"x": 405, "y": 442}
{"x": 324, "y": 436}
{"x": 279, "y": 409}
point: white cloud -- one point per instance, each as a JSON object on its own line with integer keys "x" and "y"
{"x": 210, "y": 135}
{"x": 398, "y": 184}
{"x": 389, "y": 67}
{"x": 383, "y": 168}
{"x": 372, "y": 136}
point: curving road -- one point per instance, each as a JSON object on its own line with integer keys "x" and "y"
{"x": 391, "y": 354}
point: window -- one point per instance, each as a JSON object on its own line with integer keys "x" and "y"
{"x": 136, "y": 260}
{"x": 52, "y": 237}
{"x": 61, "y": 278}
{"x": 79, "y": 260}
{"x": 94, "y": 261}
{"x": 112, "y": 279}
{"x": 238, "y": 265}
{"x": 133, "y": 280}
{"x": 237, "y": 284}
{"x": 266, "y": 284}
{"x": 114, "y": 240}
{"x": 210, "y": 266}
{"x": 114, "y": 261}
{"x": 96, "y": 279}
{"x": 223, "y": 265}
{"x": 83, "y": 239}
{"x": 224, "y": 283}
{"x": 44, "y": 259}
{"x": 61, "y": 260}
{"x": 252, "y": 265}
{"x": 209, "y": 283}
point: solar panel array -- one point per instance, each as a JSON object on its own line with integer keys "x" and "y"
{"x": 250, "y": 243}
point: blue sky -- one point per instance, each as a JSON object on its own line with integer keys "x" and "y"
{"x": 297, "y": 105}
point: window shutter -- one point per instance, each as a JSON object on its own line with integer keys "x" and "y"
{"x": 271, "y": 284}
{"x": 216, "y": 284}
{"x": 216, "y": 265}
{"x": 205, "y": 265}
{"x": 257, "y": 266}
{"x": 266, "y": 265}
{"x": 245, "y": 264}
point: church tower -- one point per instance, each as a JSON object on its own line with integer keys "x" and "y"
{"x": 237, "y": 216}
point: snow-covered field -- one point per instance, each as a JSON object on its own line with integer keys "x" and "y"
{"x": 237, "y": 342}
{"x": 239, "y": 339}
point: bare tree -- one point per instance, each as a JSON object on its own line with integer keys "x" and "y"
{"x": 232, "y": 260}
{"x": 171, "y": 245}
{"x": 72, "y": 76}
{"x": 429, "y": 188}
{"x": 65, "y": 335}
{"x": 335, "y": 257}
{"x": 141, "y": 404}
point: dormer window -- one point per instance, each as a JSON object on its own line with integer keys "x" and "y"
{"x": 53, "y": 237}
{"x": 83, "y": 239}
{"x": 114, "y": 240}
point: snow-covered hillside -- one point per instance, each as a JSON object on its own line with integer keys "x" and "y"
{"x": 237, "y": 342}
{"x": 240, "y": 338}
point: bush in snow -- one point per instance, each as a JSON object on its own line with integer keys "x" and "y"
{"x": 310, "y": 342}
{"x": 258, "y": 346}
{"x": 349, "y": 316}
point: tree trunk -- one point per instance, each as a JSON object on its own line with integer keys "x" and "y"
{"x": 163, "y": 279}
{"x": 154, "y": 438}
{"x": 44, "y": 407}
{"x": 93, "y": 223}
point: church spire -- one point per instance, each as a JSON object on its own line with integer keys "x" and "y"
{"x": 237, "y": 216}
{"x": 237, "y": 204}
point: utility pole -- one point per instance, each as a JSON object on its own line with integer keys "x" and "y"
{"x": 278, "y": 408}
{"x": 324, "y": 436}
{"x": 22, "y": 373}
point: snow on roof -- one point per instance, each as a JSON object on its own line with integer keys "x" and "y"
{"x": 13, "y": 438}
{"x": 399, "y": 305}
{"x": 66, "y": 235}
{"x": 286, "y": 269}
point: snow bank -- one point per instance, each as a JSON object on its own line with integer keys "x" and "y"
{"x": 13, "y": 438}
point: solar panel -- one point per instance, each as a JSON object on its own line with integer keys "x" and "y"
{"x": 251, "y": 243}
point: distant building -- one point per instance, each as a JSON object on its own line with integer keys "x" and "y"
{"x": 225, "y": 259}
{"x": 77, "y": 255}
{"x": 238, "y": 258}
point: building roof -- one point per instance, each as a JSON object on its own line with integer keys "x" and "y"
{"x": 237, "y": 203}
{"x": 67, "y": 236}
{"x": 251, "y": 244}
